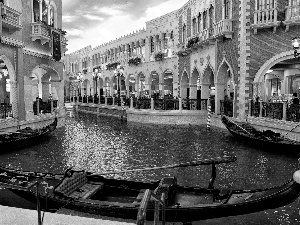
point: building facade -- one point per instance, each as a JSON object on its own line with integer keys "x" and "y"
{"x": 226, "y": 51}
{"x": 31, "y": 48}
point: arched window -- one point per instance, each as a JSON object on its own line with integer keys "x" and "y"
{"x": 226, "y": 9}
{"x": 51, "y": 16}
{"x": 199, "y": 22}
{"x": 36, "y": 11}
{"x": 183, "y": 33}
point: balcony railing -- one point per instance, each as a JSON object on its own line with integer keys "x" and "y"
{"x": 223, "y": 28}
{"x": 10, "y": 18}
{"x": 41, "y": 31}
{"x": 265, "y": 18}
{"x": 292, "y": 16}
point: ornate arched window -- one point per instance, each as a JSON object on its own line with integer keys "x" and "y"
{"x": 51, "y": 16}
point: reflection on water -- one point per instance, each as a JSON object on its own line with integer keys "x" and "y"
{"x": 101, "y": 144}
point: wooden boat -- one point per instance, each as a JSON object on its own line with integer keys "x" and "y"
{"x": 25, "y": 137}
{"x": 248, "y": 134}
{"x": 93, "y": 193}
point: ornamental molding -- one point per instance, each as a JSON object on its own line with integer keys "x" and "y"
{"x": 37, "y": 54}
{"x": 11, "y": 41}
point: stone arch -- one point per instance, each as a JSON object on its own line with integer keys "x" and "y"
{"x": 225, "y": 89}
{"x": 141, "y": 84}
{"x": 271, "y": 62}
{"x": 258, "y": 83}
{"x": 11, "y": 80}
{"x": 168, "y": 81}
{"x": 155, "y": 79}
{"x": 10, "y": 67}
{"x": 206, "y": 76}
{"x": 194, "y": 83}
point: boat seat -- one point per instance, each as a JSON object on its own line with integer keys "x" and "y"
{"x": 86, "y": 191}
{"x": 166, "y": 185}
{"x": 76, "y": 186}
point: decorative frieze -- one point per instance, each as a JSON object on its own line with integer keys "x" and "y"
{"x": 37, "y": 54}
{"x": 11, "y": 41}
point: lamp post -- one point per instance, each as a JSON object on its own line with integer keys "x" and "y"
{"x": 295, "y": 43}
{"x": 118, "y": 73}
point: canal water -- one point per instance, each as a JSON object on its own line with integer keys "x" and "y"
{"x": 101, "y": 144}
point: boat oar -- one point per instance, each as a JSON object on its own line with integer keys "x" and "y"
{"x": 216, "y": 160}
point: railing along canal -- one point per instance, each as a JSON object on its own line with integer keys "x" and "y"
{"x": 275, "y": 110}
{"x": 226, "y": 106}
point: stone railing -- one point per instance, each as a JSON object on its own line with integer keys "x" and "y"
{"x": 223, "y": 28}
{"x": 10, "y": 18}
{"x": 292, "y": 16}
{"x": 265, "y": 18}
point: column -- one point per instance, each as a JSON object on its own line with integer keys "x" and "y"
{"x": 219, "y": 96}
{"x": 14, "y": 98}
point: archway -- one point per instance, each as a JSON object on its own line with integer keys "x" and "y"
{"x": 132, "y": 85}
{"x": 207, "y": 84}
{"x": 168, "y": 83}
{"x": 155, "y": 91}
{"x": 225, "y": 90}
{"x": 5, "y": 92}
{"x": 141, "y": 85}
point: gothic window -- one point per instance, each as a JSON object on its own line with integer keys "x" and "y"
{"x": 204, "y": 20}
{"x": 211, "y": 16}
{"x": 36, "y": 11}
{"x": 51, "y": 16}
{"x": 152, "y": 44}
{"x": 194, "y": 26}
{"x": 199, "y": 22}
{"x": 226, "y": 9}
{"x": 183, "y": 33}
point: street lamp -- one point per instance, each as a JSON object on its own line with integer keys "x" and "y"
{"x": 295, "y": 43}
{"x": 118, "y": 73}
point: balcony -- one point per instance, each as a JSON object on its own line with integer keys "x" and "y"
{"x": 223, "y": 28}
{"x": 10, "y": 18}
{"x": 265, "y": 18}
{"x": 292, "y": 16}
{"x": 41, "y": 31}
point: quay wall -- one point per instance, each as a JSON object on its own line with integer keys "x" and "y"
{"x": 193, "y": 117}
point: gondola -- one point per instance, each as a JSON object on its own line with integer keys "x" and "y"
{"x": 96, "y": 194}
{"x": 25, "y": 137}
{"x": 268, "y": 139}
